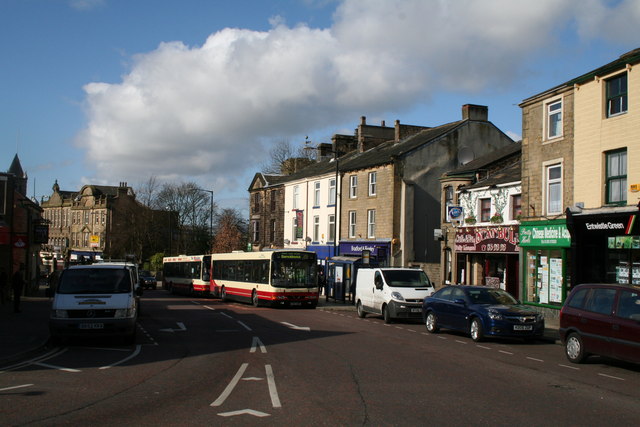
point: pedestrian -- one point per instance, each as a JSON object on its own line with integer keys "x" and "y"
{"x": 4, "y": 281}
{"x": 17, "y": 283}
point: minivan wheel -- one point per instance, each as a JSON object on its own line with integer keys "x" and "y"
{"x": 386, "y": 315}
{"x": 574, "y": 348}
{"x": 360, "y": 310}
{"x": 432, "y": 323}
{"x": 475, "y": 330}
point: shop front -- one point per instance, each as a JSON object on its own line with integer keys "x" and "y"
{"x": 546, "y": 255}
{"x": 606, "y": 244}
{"x": 378, "y": 250}
{"x": 487, "y": 256}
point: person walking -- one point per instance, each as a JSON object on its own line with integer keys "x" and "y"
{"x": 17, "y": 283}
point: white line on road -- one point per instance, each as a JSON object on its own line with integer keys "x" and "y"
{"x": 50, "y": 354}
{"x": 506, "y": 352}
{"x": 245, "y": 326}
{"x": 209, "y": 308}
{"x": 131, "y": 356}
{"x": 535, "y": 360}
{"x": 257, "y": 343}
{"x": 227, "y": 391}
{"x": 612, "y": 377}
{"x": 226, "y": 315}
{"x": 15, "y": 387}
{"x": 482, "y": 346}
{"x": 275, "y": 400}
{"x": 244, "y": 411}
{"x": 59, "y": 368}
{"x": 441, "y": 337}
{"x": 298, "y": 328}
{"x": 569, "y": 367}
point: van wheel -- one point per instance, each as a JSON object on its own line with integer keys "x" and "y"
{"x": 432, "y": 323}
{"x": 475, "y": 330}
{"x": 254, "y": 299}
{"x": 360, "y": 310}
{"x": 386, "y": 315}
{"x": 574, "y": 348}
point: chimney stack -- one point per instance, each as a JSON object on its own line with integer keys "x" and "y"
{"x": 475, "y": 112}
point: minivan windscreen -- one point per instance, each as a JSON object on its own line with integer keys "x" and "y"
{"x": 95, "y": 281}
{"x": 406, "y": 278}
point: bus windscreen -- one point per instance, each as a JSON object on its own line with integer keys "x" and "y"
{"x": 294, "y": 270}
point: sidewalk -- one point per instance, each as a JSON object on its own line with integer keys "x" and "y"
{"x": 26, "y": 332}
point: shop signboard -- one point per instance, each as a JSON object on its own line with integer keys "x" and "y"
{"x": 487, "y": 239}
{"x": 545, "y": 234}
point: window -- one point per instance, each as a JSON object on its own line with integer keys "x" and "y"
{"x": 372, "y": 183}
{"x": 294, "y": 234}
{"x": 353, "y": 186}
{"x": 256, "y": 231}
{"x": 554, "y": 119}
{"x": 616, "y": 185}
{"x": 296, "y": 195}
{"x": 371, "y": 223}
{"x": 485, "y": 210}
{"x": 352, "y": 224}
{"x": 448, "y": 201}
{"x": 273, "y": 230}
{"x": 273, "y": 200}
{"x": 256, "y": 202}
{"x": 332, "y": 191}
{"x": 617, "y": 95}
{"x": 332, "y": 228}
{"x": 316, "y": 193}
{"x": 316, "y": 228}
{"x": 86, "y": 218}
{"x": 554, "y": 189}
{"x": 516, "y": 206}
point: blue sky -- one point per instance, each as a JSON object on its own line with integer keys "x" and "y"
{"x": 104, "y": 91}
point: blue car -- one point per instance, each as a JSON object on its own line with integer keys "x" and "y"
{"x": 481, "y": 311}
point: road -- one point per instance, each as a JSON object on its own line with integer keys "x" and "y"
{"x": 205, "y": 362}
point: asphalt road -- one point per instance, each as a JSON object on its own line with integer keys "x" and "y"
{"x": 205, "y": 362}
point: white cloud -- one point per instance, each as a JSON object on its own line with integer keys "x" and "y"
{"x": 207, "y": 111}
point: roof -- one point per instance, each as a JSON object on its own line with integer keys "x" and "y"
{"x": 512, "y": 173}
{"x": 488, "y": 159}
{"x": 16, "y": 167}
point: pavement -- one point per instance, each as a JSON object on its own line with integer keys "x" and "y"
{"x": 26, "y": 333}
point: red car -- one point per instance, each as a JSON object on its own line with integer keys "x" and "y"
{"x": 601, "y": 319}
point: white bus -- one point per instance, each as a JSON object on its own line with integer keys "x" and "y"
{"x": 186, "y": 274}
{"x": 273, "y": 278}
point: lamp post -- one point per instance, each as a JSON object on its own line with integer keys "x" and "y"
{"x": 170, "y": 231}
{"x": 210, "y": 218}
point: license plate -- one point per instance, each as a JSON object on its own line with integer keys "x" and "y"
{"x": 522, "y": 327}
{"x": 416, "y": 310}
{"x": 91, "y": 325}
{"x": 295, "y": 303}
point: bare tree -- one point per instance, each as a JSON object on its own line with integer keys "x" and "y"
{"x": 147, "y": 191}
{"x": 281, "y": 153}
{"x": 231, "y": 232}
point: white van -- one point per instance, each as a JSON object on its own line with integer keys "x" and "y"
{"x": 392, "y": 292}
{"x": 98, "y": 299}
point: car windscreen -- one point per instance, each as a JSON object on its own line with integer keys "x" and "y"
{"x": 491, "y": 296}
{"x": 144, "y": 273}
{"x": 95, "y": 281}
{"x": 406, "y": 278}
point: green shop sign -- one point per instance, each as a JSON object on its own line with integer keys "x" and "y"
{"x": 545, "y": 234}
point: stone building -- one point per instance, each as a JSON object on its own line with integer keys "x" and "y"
{"x": 266, "y": 211}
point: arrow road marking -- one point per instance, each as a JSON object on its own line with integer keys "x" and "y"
{"x": 180, "y": 326}
{"x": 298, "y": 328}
{"x": 256, "y": 342}
{"x": 242, "y": 412}
{"x": 227, "y": 391}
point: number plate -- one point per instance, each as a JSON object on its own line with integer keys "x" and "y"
{"x": 522, "y": 327}
{"x": 295, "y": 303}
{"x": 91, "y": 325}
{"x": 416, "y": 310}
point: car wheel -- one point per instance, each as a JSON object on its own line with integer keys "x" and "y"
{"x": 574, "y": 348}
{"x": 385, "y": 314}
{"x": 432, "y": 323}
{"x": 223, "y": 294}
{"x": 360, "y": 310}
{"x": 476, "y": 332}
{"x": 254, "y": 299}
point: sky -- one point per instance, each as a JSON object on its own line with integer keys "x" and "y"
{"x": 109, "y": 91}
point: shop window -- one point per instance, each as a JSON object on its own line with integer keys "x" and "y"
{"x": 545, "y": 273}
{"x": 516, "y": 206}
{"x": 616, "y": 180}
{"x": 617, "y": 95}
{"x": 554, "y": 189}
{"x": 485, "y": 210}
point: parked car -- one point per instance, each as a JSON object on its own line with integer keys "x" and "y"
{"x": 147, "y": 280}
{"x": 601, "y": 319}
{"x": 481, "y": 311}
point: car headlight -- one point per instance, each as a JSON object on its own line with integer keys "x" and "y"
{"x": 59, "y": 314}
{"x": 494, "y": 315}
{"x": 397, "y": 296}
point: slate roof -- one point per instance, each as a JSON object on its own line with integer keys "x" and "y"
{"x": 512, "y": 173}
{"x": 488, "y": 159}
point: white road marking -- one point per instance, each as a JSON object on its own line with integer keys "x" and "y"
{"x": 252, "y": 379}
{"x": 15, "y": 387}
{"x": 506, "y": 352}
{"x": 612, "y": 377}
{"x": 209, "y": 308}
{"x": 227, "y": 391}
{"x": 244, "y": 325}
{"x": 226, "y": 315}
{"x": 244, "y": 411}
{"x": 59, "y": 368}
{"x": 535, "y": 360}
{"x": 181, "y": 328}
{"x": 482, "y": 346}
{"x": 461, "y": 342}
{"x": 298, "y": 328}
{"x": 411, "y": 330}
{"x": 50, "y": 354}
{"x": 257, "y": 343}
{"x": 441, "y": 337}
{"x": 131, "y": 356}
{"x": 569, "y": 367}
{"x": 273, "y": 392}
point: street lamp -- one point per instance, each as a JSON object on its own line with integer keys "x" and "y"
{"x": 210, "y": 218}
{"x": 170, "y": 230}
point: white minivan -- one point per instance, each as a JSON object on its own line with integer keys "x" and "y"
{"x": 96, "y": 300}
{"x": 392, "y": 292}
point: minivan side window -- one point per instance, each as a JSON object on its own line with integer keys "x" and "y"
{"x": 578, "y": 299}
{"x": 601, "y": 301}
{"x": 629, "y": 305}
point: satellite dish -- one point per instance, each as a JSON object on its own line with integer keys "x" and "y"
{"x": 465, "y": 155}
